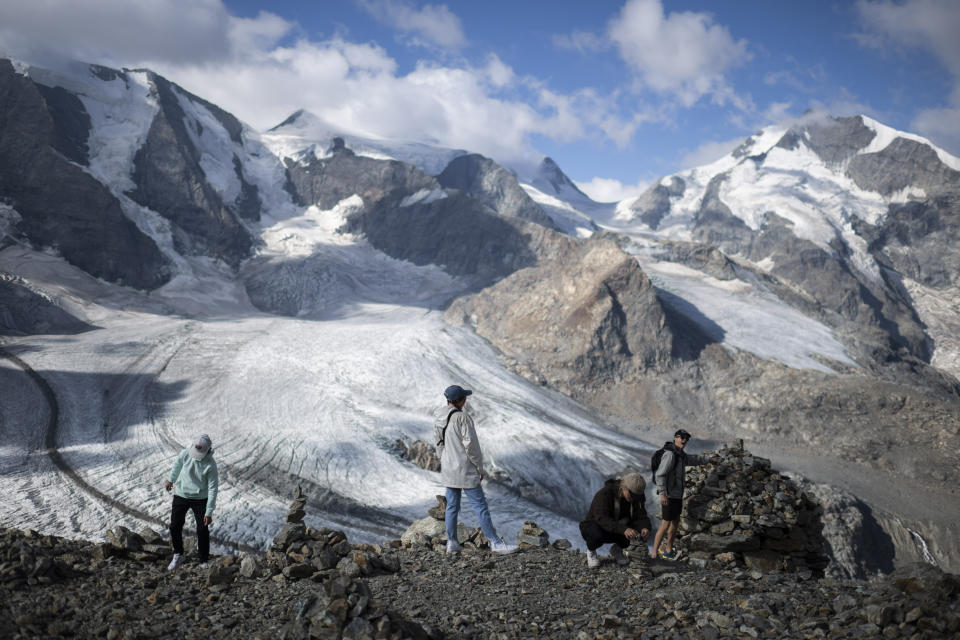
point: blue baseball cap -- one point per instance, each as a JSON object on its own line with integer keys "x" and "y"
{"x": 454, "y": 392}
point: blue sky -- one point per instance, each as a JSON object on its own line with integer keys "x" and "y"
{"x": 619, "y": 93}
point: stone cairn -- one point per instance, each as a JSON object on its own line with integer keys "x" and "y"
{"x": 342, "y": 607}
{"x": 742, "y": 512}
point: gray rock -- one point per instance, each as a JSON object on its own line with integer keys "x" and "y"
{"x": 170, "y": 181}
{"x": 591, "y": 315}
{"x": 493, "y": 186}
{"x": 423, "y": 455}
{"x": 249, "y": 566}
{"x": 290, "y": 534}
{"x": 60, "y": 204}
{"x": 218, "y": 574}
{"x": 298, "y": 571}
{"x": 428, "y": 526}
{"x": 439, "y": 511}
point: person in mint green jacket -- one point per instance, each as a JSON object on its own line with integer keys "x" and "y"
{"x": 194, "y": 480}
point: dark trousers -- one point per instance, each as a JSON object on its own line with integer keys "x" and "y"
{"x": 177, "y": 517}
{"x": 595, "y": 536}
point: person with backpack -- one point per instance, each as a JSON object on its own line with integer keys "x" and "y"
{"x": 669, "y": 464}
{"x": 194, "y": 480}
{"x": 617, "y": 516}
{"x": 461, "y": 468}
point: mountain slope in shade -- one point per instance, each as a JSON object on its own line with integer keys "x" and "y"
{"x": 189, "y": 175}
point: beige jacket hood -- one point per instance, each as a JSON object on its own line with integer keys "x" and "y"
{"x": 461, "y": 461}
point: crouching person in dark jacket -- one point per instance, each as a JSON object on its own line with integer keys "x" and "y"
{"x": 617, "y": 516}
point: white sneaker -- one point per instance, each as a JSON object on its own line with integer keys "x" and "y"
{"x": 454, "y": 547}
{"x": 617, "y": 554}
{"x": 176, "y": 562}
{"x": 499, "y": 546}
{"x": 592, "y": 560}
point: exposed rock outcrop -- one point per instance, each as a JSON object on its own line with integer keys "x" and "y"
{"x": 587, "y": 318}
{"x": 26, "y": 311}
{"x": 490, "y": 184}
{"x": 61, "y": 206}
{"x": 170, "y": 180}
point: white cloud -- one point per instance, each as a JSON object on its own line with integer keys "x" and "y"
{"x": 932, "y": 25}
{"x": 708, "y": 152}
{"x": 609, "y": 190}
{"x": 941, "y": 126}
{"x": 581, "y": 41}
{"x": 683, "y": 54}
{"x": 499, "y": 74}
{"x": 261, "y": 69}
{"x": 929, "y": 25}
{"x": 432, "y": 24}
{"x": 110, "y": 31}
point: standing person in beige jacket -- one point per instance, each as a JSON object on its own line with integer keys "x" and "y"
{"x": 461, "y": 468}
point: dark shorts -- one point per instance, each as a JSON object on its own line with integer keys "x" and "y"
{"x": 672, "y": 509}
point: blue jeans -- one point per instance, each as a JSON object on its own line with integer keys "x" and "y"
{"x": 479, "y": 503}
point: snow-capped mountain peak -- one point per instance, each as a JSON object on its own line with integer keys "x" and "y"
{"x": 304, "y": 130}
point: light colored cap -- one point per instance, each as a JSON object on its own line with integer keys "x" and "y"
{"x": 200, "y": 447}
{"x": 634, "y": 483}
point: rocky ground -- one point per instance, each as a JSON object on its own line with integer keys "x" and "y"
{"x": 551, "y": 594}
{"x": 70, "y": 590}
{"x": 753, "y": 566}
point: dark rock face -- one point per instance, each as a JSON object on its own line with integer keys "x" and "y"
{"x": 828, "y": 278}
{"x": 170, "y": 181}
{"x": 490, "y": 184}
{"x": 903, "y": 163}
{"x": 587, "y": 317}
{"x": 61, "y": 205}
{"x": 325, "y": 182}
{"x": 824, "y": 276}
{"x": 654, "y": 203}
{"x": 552, "y": 173}
{"x": 24, "y": 311}
{"x": 248, "y": 203}
{"x": 919, "y": 240}
{"x": 456, "y": 233}
{"x": 71, "y": 123}
{"x": 716, "y": 224}
{"x": 837, "y": 139}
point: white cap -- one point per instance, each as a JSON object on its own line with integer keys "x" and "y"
{"x": 201, "y": 446}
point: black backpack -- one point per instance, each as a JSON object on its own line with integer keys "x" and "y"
{"x": 658, "y": 455}
{"x": 443, "y": 434}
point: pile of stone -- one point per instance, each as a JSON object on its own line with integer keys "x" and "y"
{"x": 741, "y": 512}
{"x": 342, "y": 607}
{"x": 300, "y": 552}
{"x": 146, "y": 545}
{"x": 32, "y": 559}
{"x": 431, "y": 531}
{"x": 27, "y": 558}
